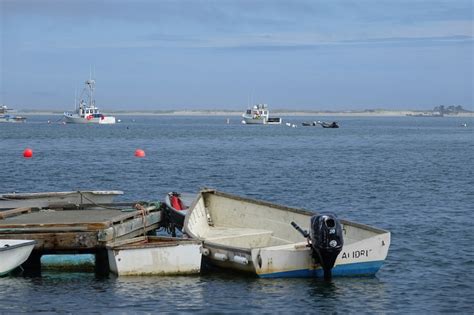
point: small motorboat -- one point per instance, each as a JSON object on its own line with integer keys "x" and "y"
{"x": 13, "y": 253}
{"x": 5, "y": 115}
{"x": 155, "y": 255}
{"x": 264, "y": 239}
{"x": 326, "y": 124}
{"x": 177, "y": 205}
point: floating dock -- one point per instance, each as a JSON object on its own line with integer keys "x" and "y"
{"x": 83, "y": 229}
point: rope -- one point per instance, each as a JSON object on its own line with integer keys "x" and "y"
{"x": 144, "y": 212}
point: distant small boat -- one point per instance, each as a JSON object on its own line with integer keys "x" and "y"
{"x": 13, "y": 253}
{"x": 155, "y": 255}
{"x": 87, "y": 112}
{"x": 260, "y": 115}
{"x": 259, "y": 237}
{"x": 8, "y": 117}
{"x": 326, "y": 124}
{"x": 306, "y": 124}
{"x": 49, "y": 199}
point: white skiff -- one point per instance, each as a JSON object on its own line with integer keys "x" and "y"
{"x": 13, "y": 253}
{"x": 155, "y": 255}
{"x": 258, "y": 237}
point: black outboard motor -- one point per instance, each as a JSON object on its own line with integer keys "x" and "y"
{"x": 326, "y": 240}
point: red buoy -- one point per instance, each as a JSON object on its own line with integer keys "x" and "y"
{"x": 139, "y": 153}
{"x": 28, "y": 153}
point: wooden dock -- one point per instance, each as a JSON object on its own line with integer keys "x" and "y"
{"x": 79, "y": 229}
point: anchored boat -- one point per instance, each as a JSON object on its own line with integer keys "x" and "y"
{"x": 13, "y": 253}
{"x": 7, "y": 116}
{"x": 260, "y": 115}
{"x": 87, "y": 112}
{"x": 153, "y": 255}
{"x": 326, "y": 124}
{"x": 266, "y": 239}
{"x": 177, "y": 205}
{"x": 51, "y": 199}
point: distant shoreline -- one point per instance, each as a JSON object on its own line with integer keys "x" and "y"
{"x": 374, "y": 113}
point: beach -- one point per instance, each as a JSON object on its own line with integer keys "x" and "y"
{"x": 277, "y": 113}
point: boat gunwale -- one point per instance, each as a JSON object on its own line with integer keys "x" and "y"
{"x": 23, "y": 244}
{"x": 133, "y": 243}
{"x": 271, "y": 205}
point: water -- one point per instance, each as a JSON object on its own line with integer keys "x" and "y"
{"x": 412, "y": 176}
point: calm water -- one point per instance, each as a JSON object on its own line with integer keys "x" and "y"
{"x": 412, "y": 176}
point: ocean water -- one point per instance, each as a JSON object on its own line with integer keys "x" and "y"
{"x": 412, "y": 176}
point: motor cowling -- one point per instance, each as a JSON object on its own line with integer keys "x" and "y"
{"x": 326, "y": 240}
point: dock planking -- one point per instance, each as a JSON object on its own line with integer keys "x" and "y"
{"x": 81, "y": 229}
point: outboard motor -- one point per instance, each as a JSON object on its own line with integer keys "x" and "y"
{"x": 326, "y": 240}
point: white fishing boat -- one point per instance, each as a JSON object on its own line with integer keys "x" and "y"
{"x": 13, "y": 253}
{"x": 6, "y": 115}
{"x": 62, "y": 198}
{"x": 87, "y": 112}
{"x": 264, "y": 239}
{"x": 154, "y": 255}
{"x": 260, "y": 115}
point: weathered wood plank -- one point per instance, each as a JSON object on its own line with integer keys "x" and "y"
{"x": 68, "y": 241}
{"x": 126, "y": 228}
{"x": 14, "y": 212}
{"x": 53, "y": 226}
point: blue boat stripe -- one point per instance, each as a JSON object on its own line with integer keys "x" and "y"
{"x": 354, "y": 269}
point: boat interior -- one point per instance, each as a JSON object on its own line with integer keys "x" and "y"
{"x": 229, "y": 220}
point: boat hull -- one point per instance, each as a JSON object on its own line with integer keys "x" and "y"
{"x": 262, "y": 121}
{"x": 155, "y": 256}
{"x": 253, "y": 121}
{"x": 96, "y": 120}
{"x": 13, "y": 253}
{"x": 295, "y": 260}
{"x": 12, "y": 120}
{"x": 48, "y": 199}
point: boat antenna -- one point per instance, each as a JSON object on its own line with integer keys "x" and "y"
{"x": 75, "y": 98}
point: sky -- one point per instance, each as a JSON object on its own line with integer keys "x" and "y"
{"x": 226, "y": 54}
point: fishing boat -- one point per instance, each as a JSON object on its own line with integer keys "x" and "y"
{"x": 326, "y": 124}
{"x": 87, "y": 112}
{"x": 62, "y": 198}
{"x": 6, "y": 115}
{"x": 260, "y": 115}
{"x": 270, "y": 240}
{"x": 155, "y": 255}
{"x": 177, "y": 205}
{"x": 13, "y": 253}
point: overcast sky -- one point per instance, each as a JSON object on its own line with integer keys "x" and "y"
{"x": 292, "y": 54}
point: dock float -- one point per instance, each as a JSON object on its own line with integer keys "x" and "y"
{"x": 79, "y": 229}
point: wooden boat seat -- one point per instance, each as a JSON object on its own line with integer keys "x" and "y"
{"x": 240, "y": 237}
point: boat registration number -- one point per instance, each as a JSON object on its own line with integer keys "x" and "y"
{"x": 356, "y": 254}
